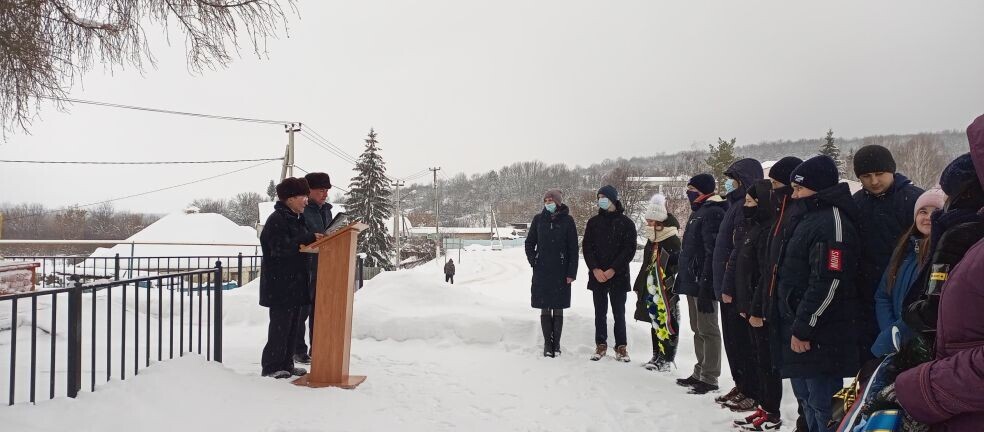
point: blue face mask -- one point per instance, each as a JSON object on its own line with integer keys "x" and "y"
{"x": 551, "y": 207}
{"x": 692, "y": 196}
{"x": 729, "y": 185}
{"x": 604, "y": 203}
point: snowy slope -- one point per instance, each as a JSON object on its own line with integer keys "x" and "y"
{"x": 438, "y": 357}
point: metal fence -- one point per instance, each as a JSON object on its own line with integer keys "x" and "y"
{"x": 158, "y": 314}
{"x": 65, "y": 271}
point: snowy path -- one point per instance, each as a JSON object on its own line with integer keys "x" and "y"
{"x": 438, "y": 357}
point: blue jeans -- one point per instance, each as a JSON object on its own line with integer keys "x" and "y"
{"x": 814, "y": 395}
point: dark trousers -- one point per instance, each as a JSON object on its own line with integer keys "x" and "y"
{"x": 738, "y": 348}
{"x": 449, "y": 277}
{"x": 601, "y": 298}
{"x": 306, "y": 313}
{"x": 769, "y": 380}
{"x": 814, "y": 396}
{"x": 278, "y": 354}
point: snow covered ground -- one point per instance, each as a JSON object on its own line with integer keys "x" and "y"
{"x": 438, "y": 357}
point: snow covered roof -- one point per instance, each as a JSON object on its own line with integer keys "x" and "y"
{"x": 215, "y": 231}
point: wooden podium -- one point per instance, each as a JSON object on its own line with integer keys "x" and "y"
{"x": 332, "y": 338}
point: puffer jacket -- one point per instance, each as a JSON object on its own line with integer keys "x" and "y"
{"x": 694, "y": 277}
{"x": 816, "y": 279}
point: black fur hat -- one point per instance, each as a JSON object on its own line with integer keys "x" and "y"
{"x": 318, "y": 180}
{"x": 292, "y": 187}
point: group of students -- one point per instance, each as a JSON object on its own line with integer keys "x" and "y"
{"x": 800, "y": 280}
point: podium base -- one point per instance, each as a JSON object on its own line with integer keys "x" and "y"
{"x": 347, "y": 383}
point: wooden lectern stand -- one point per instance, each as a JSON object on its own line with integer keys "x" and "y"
{"x": 332, "y": 339}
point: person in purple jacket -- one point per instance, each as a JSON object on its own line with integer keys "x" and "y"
{"x": 946, "y": 393}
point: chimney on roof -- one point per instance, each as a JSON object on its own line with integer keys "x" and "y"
{"x": 192, "y": 210}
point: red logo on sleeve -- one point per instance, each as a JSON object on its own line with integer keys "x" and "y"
{"x": 834, "y": 262}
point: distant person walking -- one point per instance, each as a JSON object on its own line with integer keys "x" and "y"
{"x": 449, "y": 271}
{"x": 551, "y": 249}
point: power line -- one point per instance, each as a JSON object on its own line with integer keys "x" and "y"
{"x": 136, "y": 162}
{"x": 165, "y": 111}
{"x": 332, "y": 186}
{"x": 143, "y": 193}
{"x": 327, "y": 141}
{"x": 333, "y": 150}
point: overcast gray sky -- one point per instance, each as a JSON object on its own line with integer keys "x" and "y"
{"x": 471, "y": 86}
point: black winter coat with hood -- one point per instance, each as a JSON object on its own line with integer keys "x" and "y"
{"x": 610, "y": 243}
{"x": 551, "y": 249}
{"x": 752, "y": 262}
{"x": 747, "y": 171}
{"x": 816, "y": 298}
{"x": 284, "y": 274}
{"x": 694, "y": 277}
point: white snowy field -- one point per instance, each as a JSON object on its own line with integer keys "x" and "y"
{"x": 437, "y": 357}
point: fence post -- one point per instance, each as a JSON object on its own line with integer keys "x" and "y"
{"x": 74, "y": 376}
{"x": 361, "y": 271}
{"x": 217, "y": 313}
{"x": 116, "y": 267}
{"x": 239, "y": 274}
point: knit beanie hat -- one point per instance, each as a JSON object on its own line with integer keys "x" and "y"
{"x": 873, "y": 158}
{"x": 656, "y": 210}
{"x": 934, "y": 197}
{"x": 556, "y": 195}
{"x": 292, "y": 187}
{"x": 783, "y": 168}
{"x": 318, "y": 180}
{"x": 703, "y": 182}
{"x": 610, "y": 192}
{"x": 816, "y": 173}
{"x": 957, "y": 173}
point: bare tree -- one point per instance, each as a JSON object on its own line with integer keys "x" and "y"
{"x": 244, "y": 209}
{"x": 209, "y": 205}
{"x": 47, "y": 44}
{"x": 921, "y": 159}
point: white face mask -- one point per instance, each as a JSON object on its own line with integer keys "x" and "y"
{"x": 649, "y": 232}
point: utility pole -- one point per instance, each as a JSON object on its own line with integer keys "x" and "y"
{"x": 437, "y": 213}
{"x": 288, "y": 167}
{"x": 397, "y": 221}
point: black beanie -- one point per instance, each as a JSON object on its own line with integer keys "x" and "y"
{"x": 783, "y": 168}
{"x": 292, "y": 187}
{"x": 610, "y": 192}
{"x": 816, "y": 173}
{"x": 318, "y": 180}
{"x": 960, "y": 171}
{"x": 703, "y": 182}
{"x": 873, "y": 158}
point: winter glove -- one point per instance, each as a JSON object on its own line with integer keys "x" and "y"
{"x": 884, "y": 400}
{"x": 705, "y": 306}
{"x": 914, "y": 352}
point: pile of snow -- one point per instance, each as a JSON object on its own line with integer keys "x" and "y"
{"x": 438, "y": 357}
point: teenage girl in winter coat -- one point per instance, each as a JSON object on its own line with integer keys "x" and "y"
{"x": 551, "y": 249}
{"x": 657, "y": 303}
{"x": 910, "y": 255}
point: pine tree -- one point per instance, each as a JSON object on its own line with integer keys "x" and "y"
{"x": 272, "y": 191}
{"x": 829, "y": 148}
{"x": 369, "y": 201}
{"x": 720, "y": 158}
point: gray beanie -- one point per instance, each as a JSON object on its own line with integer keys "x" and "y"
{"x": 556, "y": 194}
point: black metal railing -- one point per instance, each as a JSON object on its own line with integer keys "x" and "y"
{"x": 66, "y": 271}
{"x": 161, "y": 304}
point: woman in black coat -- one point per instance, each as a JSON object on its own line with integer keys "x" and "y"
{"x": 551, "y": 249}
{"x": 657, "y": 304}
{"x": 284, "y": 276}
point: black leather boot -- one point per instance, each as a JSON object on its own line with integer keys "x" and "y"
{"x": 558, "y": 327}
{"x": 546, "y": 322}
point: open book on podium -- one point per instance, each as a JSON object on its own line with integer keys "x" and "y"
{"x": 331, "y": 344}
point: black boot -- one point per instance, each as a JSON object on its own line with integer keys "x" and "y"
{"x": 558, "y": 326}
{"x": 546, "y": 322}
